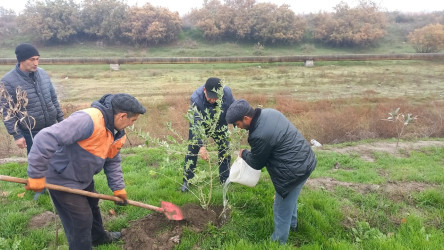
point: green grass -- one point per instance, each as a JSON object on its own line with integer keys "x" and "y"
{"x": 190, "y": 45}
{"x": 342, "y": 218}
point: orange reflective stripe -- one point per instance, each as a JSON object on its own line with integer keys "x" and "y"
{"x": 115, "y": 148}
{"x": 101, "y": 140}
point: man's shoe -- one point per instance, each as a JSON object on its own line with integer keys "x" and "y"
{"x": 108, "y": 238}
{"x": 294, "y": 229}
{"x": 185, "y": 187}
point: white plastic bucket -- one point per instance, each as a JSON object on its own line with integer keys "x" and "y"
{"x": 242, "y": 173}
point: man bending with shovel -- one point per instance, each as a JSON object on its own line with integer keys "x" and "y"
{"x": 71, "y": 152}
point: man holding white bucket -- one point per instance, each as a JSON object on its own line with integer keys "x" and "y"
{"x": 278, "y": 145}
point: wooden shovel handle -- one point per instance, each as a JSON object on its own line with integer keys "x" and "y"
{"x": 84, "y": 193}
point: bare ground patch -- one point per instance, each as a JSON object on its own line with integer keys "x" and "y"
{"x": 15, "y": 159}
{"x": 366, "y": 151}
{"x": 42, "y": 220}
{"x": 396, "y": 191}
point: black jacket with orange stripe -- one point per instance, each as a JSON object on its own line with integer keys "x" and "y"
{"x": 71, "y": 152}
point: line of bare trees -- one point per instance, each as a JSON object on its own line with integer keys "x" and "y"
{"x": 113, "y": 21}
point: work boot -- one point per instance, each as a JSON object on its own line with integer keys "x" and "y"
{"x": 108, "y": 238}
{"x": 185, "y": 187}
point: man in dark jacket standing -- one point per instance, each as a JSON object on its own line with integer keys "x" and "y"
{"x": 71, "y": 152}
{"x": 205, "y": 100}
{"x": 282, "y": 149}
{"x": 43, "y": 105}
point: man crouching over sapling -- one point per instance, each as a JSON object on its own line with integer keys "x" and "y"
{"x": 278, "y": 145}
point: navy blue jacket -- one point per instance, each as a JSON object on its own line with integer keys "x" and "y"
{"x": 199, "y": 100}
{"x": 43, "y": 105}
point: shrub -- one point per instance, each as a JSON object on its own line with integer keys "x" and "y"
{"x": 428, "y": 39}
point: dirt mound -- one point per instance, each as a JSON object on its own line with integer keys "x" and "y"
{"x": 155, "y": 231}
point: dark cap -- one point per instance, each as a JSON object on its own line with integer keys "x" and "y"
{"x": 126, "y": 103}
{"x": 237, "y": 110}
{"x": 25, "y": 51}
{"x": 212, "y": 86}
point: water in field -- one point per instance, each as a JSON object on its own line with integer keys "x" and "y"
{"x": 224, "y": 197}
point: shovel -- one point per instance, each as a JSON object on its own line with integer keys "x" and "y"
{"x": 171, "y": 211}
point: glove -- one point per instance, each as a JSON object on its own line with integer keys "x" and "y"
{"x": 122, "y": 195}
{"x": 36, "y": 185}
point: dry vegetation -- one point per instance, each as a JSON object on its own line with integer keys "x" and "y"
{"x": 332, "y": 103}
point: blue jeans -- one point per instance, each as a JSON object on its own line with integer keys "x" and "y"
{"x": 285, "y": 212}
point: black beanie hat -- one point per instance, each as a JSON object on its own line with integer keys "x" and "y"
{"x": 25, "y": 51}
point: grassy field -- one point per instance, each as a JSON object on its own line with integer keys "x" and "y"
{"x": 188, "y": 45}
{"x": 354, "y": 96}
{"x": 332, "y": 102}
{"x": 363, "y": 211}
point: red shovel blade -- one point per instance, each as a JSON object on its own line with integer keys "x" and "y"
{"x": 171, "y": 211}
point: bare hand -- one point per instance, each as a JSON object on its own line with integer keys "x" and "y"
{"x": 240, "y": 152}
{"x": 204, "y": 153}
{"x": 21, "y": 143}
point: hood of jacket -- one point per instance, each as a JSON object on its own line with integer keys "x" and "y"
{"x": 105, "y": 106}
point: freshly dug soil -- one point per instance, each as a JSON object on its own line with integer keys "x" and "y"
{"x": 155, "y": 231}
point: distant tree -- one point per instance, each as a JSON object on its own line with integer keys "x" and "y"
{"x": 360, "y": 26}
{"x": 8, "y": 23}
{"x": 245, "y": 20}
{"x": 51, "y": 20}
{"x": 212, "y": 19}
{"x": 102, "y": 19}
{"x": 151, "y": 25}
{"x": 428, "y": 39}
{"x": 272, "y": 24}
{"x": 403, "y": 18}
{"x": 238, "y": 18}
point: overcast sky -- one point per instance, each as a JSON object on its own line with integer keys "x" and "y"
{"x": 298, "y": 6}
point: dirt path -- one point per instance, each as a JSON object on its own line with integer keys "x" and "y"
{"x": 366, "y": 150}
{"x": 17, "y": 159}
{"x": 396, "y": 191}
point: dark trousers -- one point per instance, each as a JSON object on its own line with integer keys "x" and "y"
{"x": 81, "y": 218}
{"x": 29, "y": 139}
{"x": 224, "y": 161}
